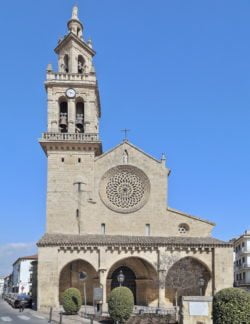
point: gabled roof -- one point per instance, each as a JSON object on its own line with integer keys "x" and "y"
{"x": 70, "y": 36}
{"x": 190, "y": 216}
{"x": 131, "y": 145}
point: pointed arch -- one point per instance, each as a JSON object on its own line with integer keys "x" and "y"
{"x": 142, "y": 279}
{"x": 70, "y": 277}
{"x": 183, "y": 278}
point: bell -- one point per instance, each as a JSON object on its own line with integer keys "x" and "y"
{"x": 79, "y": 120}
{"x": 63, "y": 120}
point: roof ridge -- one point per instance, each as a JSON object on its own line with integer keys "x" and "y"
{"x": 191, "y": 216}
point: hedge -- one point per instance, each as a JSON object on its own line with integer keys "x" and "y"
{"x": 71, "y": 300}
{"x": 231, "y": 305}
{"x": 120, "y": 304}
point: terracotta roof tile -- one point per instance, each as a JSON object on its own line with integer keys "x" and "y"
{"x": 88, "y": 239}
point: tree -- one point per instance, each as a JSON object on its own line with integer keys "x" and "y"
{"x": 120, "y": 304}
{"x": 231, "y": 304}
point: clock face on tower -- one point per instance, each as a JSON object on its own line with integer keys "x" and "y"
{"x": 70, "y": 93}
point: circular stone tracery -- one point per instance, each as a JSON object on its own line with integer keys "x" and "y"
{"x": 124, "y": 188}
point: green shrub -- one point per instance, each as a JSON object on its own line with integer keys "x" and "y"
{"x": 120, "y": 304}
{"x": 231, "y": 305}
{"x": 71, "y": 300}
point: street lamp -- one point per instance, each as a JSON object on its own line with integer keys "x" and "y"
{"x": 201, "y": 284}
{"x": 120, "y": 278}
{"x": 82, "y": 277}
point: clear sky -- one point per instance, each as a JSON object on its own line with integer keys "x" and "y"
{"x": 176, "y": 73}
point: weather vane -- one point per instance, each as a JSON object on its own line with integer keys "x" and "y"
{"x": 125, "y": 130}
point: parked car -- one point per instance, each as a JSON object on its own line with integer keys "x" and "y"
{"x": 22, "y": 299}
{"x": 15, "y": 299}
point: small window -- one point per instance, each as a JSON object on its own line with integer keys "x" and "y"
{"x": 79, "y": 160}
{"x": 62, "y": 159}
{"x": 183, "y": 228}
{"x": 77, "y": 213}
{"x": 147, "y": 229}
{"x": 103, "y": 228}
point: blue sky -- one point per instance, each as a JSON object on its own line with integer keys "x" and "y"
{"x": 176, "y": 73}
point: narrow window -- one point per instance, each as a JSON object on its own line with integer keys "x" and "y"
{"x": 79, "y": 160}
{"x": 147, "y": 229}
{"x": 63, "y": 120}
{"x": 66, "y": 63}
{"x": 77, "y": 213}
{"x": 125, "y": 157}
{"x": 80, "y": 117}
{"x": 80, "y": 64}
{"x": 62, "y": 159}
{"x": 103, "y": 228}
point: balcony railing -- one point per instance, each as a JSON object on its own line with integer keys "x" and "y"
{"x": 241, "y": 282}
{"x": 61, "y": 76}
{"x": 81, "y": 137}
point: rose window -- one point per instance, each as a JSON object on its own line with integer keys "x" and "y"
{"x": 124, "y": 188}
{"x": 183, "y": 228}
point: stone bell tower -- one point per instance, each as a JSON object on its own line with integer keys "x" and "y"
{"x": 72, "y": 139}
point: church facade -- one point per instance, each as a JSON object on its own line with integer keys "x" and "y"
{"x": 107, "y": 212}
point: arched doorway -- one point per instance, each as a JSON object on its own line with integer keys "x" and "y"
{"x": 70, "y": 277}
{"x": 129, "y": 279}
{"x": 140, "y": 276}
{"x": 183, "y": 279}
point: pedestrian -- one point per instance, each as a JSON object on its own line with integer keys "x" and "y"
{"x": 21, "y": 306}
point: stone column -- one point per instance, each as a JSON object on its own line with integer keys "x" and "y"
{"x": 161, "y": 287}
{"x": 102, "y": 276}
{"x": 71, "y": 116}
{"x": 87, "y": 117}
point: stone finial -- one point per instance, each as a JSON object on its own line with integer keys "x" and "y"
{"x": 49, "y": 67}
{"x": 163, "y": 158}
{"x": 75, "y": 13}
{"x": 92, "y": 69}
{"x": 89, "y": 43}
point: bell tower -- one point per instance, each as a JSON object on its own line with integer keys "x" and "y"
{"x": 72, "y": 92}
{"x": 71, "y": 141}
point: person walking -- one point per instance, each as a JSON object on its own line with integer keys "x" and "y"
{"x": 21, "y": 305}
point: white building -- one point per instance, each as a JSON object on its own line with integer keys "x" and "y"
{"x": 22, "y": 274}
{"x": 1, "y": 285}
{"x": 242, "y": 260}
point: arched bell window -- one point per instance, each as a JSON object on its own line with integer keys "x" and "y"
{"x": 63, "y": 115}
{"x": 79, "y": 116}
{"x": 80, "y": 64}
{"x": 66, "y": 63}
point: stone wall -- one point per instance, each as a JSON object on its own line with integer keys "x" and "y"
{"x": 150, "y": 264}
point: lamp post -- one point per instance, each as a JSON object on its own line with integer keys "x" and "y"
{"x": 120, "y": 278}
{"x": 82, "y": 277}
{"x": 201, "y": 284}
